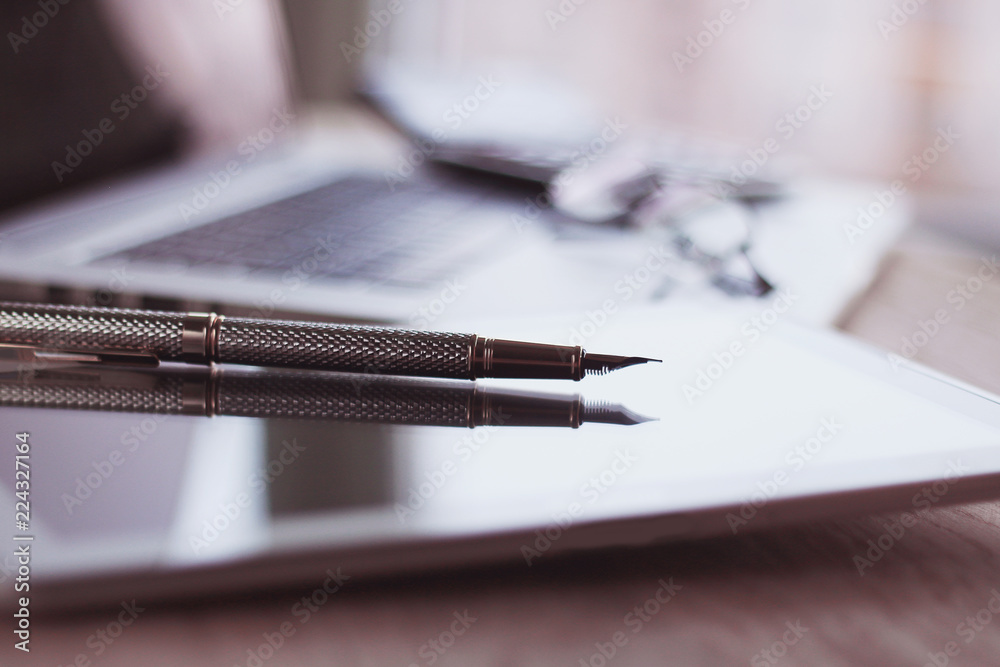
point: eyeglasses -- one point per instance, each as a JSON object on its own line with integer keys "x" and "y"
{"x": 709, "y": 220}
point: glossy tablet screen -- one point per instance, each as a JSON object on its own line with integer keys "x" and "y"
{"x": 738, "y": 428}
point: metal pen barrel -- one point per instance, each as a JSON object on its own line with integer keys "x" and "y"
{"x": 203, "y": 338}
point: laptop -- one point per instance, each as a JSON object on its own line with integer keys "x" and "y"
{"x": 358, "y": 224}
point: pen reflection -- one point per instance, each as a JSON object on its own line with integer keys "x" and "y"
{"x": 339, "y": 397}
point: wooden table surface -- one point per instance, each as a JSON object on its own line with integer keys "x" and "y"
{"x": 781, "y": 597}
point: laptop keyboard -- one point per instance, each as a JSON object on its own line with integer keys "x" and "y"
{"x": 353, "y": 229}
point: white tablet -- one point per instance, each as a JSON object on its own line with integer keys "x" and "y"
{"x": 752, "y": 423}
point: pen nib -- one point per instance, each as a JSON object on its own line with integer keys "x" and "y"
{"x": 599, "y": 364}
{"x": 612, "y": 413}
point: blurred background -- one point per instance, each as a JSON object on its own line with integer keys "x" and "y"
{"x": 896, "y": 73}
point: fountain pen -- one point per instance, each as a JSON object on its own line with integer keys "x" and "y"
{"x": 139, "y": 337}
